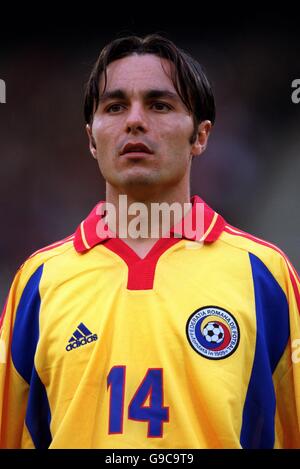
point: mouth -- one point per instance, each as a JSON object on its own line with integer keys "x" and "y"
{"x": 136, "y": 150}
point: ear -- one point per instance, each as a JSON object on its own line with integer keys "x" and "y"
{"x": 200, "y": 143}
{"x": 92, "y": 143}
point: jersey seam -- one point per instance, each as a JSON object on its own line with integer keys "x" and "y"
{"x": 55, "y": 254}
{"x": 232, "y": 244}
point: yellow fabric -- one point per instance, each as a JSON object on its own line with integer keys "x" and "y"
{"x": 143, "y": 330}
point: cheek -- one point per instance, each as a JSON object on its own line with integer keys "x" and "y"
{"x": 104, "y": 133}
{"x": 177, "y": 137}
{"x": 180, "y": 127}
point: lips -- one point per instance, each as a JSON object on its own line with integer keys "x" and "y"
{"x": 137, "y": 147}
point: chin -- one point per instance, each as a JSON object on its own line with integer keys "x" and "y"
{"x": 139, "y": 178}
{"x": 141, "y": 181}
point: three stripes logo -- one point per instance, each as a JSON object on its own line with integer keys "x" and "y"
{"x": 81, "y": 336}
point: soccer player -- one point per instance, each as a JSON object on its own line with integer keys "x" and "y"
{"x": 185, "y": 338}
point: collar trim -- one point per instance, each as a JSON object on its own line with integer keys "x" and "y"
{"x": 87, "y": 233}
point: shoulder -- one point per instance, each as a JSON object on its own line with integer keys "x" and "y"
{"x": 240, "y": 239}
{"x": 274, "y": 259}
{"x": 26, "y": 280}
{"x": 39, "y": 258}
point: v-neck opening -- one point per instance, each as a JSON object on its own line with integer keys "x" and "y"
{"x": 141, "y": 271}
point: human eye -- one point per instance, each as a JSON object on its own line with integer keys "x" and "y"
{"x": 161, "y": 106}
{"x": 114, "y": 108}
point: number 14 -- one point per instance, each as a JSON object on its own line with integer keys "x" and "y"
{"x": 155, "y": 414}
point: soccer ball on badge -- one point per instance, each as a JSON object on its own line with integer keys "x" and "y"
{"x": 213, "y": 332}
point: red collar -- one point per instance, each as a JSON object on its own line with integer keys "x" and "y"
{"x": 86, "y": 236}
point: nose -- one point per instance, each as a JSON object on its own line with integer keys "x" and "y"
{"x": 136, "y": 120}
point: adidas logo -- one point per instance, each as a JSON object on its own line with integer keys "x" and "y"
{"x": 81, "y": 336}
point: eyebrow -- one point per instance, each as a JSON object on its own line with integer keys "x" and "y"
{"x": 149, "y": 94}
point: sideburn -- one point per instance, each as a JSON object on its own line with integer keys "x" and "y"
{"x": 193, "y": 137}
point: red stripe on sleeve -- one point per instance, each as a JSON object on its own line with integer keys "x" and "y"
{"x": 291, "y": 269}
{"x": 3, "y": 313}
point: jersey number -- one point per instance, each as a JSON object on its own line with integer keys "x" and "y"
{"x": 151, "y": 386}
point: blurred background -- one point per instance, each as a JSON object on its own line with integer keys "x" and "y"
{"x": 249, "y": 173}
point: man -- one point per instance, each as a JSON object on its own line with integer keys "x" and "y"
{"x": 185, "y": 338}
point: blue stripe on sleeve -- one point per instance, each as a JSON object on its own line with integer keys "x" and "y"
{"x": 26, "y": 327}
{"x": 38, "y": 414}
{"x": 272, "y": 334}
{"x": 24, "y": 342}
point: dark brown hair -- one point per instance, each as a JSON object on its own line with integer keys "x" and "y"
{"x": 187, "y": 76}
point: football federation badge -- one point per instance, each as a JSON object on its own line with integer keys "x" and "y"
{"x": 213, "y": 332}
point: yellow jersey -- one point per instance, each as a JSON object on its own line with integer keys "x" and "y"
{"x": 194, "y": 346}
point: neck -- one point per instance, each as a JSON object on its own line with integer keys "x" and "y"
{"x": 142, "y": 216}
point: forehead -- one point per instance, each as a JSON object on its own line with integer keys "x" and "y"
{"x": 138, "y": 73}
